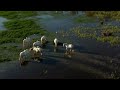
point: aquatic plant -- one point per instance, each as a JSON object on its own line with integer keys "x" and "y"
{"x": 84, "y": 19}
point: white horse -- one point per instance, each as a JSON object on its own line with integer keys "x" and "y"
{"x": 69, "y": 48}
{"x": 43, "y": 40}
{"x": 56, "y": 42}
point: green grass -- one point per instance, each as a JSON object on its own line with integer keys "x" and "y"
{"x": 17, "y": 14}
{"x": 9, "y": 53}
{"x": 21, "y": 24}
{"x": 18, "y": 27}
{"x": 50, "y": 36}
{"x": 84, "y": 19}
{"x": 6, "y": 55}
{"x": 7, "y": 40}
{"x": 4, "y": 59}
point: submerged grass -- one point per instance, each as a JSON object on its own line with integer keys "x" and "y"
{"x": 93, "y": 33}
{"x": 110, "y": 28}
{"x": 9, "y": 52}
{"x": 112, "y": 40}
{"x": 84, "y": 32}
{"x": 84, "y": 19}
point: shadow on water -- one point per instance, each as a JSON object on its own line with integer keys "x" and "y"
{"x": 59, "y": 43}
{"x": 25, "y": 63}
{"x": 60, "y": 50}
{"x": 57, "y": 56}
{"x": 49, "y": 61}
{"x": 79, "y": 48}
{"x": 95, "y": 53}
{"x": 82, "y": 49}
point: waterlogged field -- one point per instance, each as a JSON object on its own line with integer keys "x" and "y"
{"x": 95, "y": 54}
{"x": 96, "y": 33}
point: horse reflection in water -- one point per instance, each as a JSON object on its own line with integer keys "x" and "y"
{"x": 69, "y": 54}
{"x": 55, "y": 49}
{"x": 25, "y": 63}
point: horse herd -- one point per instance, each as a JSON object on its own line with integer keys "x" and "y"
{"x": 34, "y": 50}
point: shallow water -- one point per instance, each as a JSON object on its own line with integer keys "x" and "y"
{"x": 92, "y": 59}
{"x": 53, "y": 66}
{"x": 45, "y": 17}
{"x": 2, "y": 20}
{"x": 90, "y": 45}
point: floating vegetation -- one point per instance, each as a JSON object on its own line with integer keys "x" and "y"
{"x": 97, "y": 33}
{"x": 84, "y": 32}
{"x": 84, "y": 19}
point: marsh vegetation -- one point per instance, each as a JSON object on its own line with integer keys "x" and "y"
{"x": 18, "y": 27}
{"x": 85, "y": 31}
